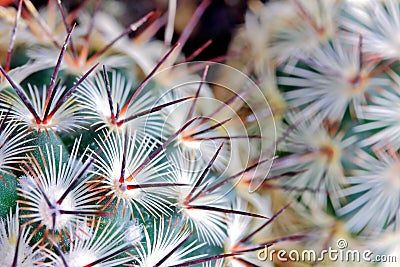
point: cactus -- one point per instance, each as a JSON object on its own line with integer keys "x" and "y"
{"x": 329, "y": 70}
{"x": 112, "y": 154}
{"x": 119, "y": 151}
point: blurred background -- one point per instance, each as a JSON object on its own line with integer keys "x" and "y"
{"x": 218, "y": 23}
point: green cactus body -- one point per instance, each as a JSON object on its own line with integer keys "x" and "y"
{"x": 105, "y": 166}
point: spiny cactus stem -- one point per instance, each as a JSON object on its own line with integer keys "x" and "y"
{"x": 173, "y": 250}
{"x": 118, "y": 112}
{"x": 190, "y": 26}
{"x": 64, "y": 261}
{"x": 197, "y": 52}
{"x": 85, "y": 48}
{"x": 294, "y": 188}
{"x": 207, "y": 259}
{"x": 22, "y": 96}
{"x": 122, "y": 177}
{"x": 226, "y": 211}
{"x": 360, "y": 55}
{"x": 13, "y": 35}
{"x": 204, "y": 173}
{"x": 381, "y": 68}
{"x": 198, "y": 66}
{"x": 28, "y": 104}
{"x": 207, "y": 129}
{"x": 155, "y": 25}
{"x": 169, "y": 28}
{"x": 96, "y": 212}
{"x": 251, "y": 167}
{"x": 307, "y": 17}
{"x": 110, "y": 100}
{"x": 152, "y": 185}
{"x": 106, "y": 205}
{"x": 46, "y": 112}
{"x": 203, "y": 78}
{"x": 53, "y": 215}
{"x": 3, "y": 121}
{"x": 152, "y": 110}
{"x": 227, "y": 103}
{"x": 55, "y": 74}
{"x": 282, "y": 176}
{"x": 323, "y": 176}
{"x": 43, "y": 25}
{"x": 160, "y": 149}
{"x": 34, "y": 232}
{"x": 78, "y": 176}
{"x": 74, "y": 13}
{"x": 132, "y": 28}
{"x": 141, "y": 86}
{"x": 228, "y": 137}
{"x": 285, "y": 135}
{"x": 15, "y": 259}
{"x": 32, "y": 161}
{"x": 276, "y": 215}
{"x": 70, "y": 91}
{"x": 67, "y": 27}
{"x": 115, "y": 253}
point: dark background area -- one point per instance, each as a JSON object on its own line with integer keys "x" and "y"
{"x": 218, "y": 22}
